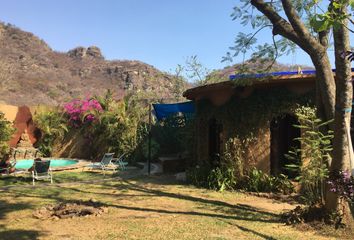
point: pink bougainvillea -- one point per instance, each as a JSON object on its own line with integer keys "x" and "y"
{"x": 82, "y": 111}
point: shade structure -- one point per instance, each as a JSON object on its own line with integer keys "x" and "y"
{"x": 163, "y": 111}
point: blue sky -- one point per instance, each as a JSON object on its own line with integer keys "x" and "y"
{"x": 162, "y": 33}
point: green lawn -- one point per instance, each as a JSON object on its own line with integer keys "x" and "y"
{"x": 142, "y": 208}
{"x": 25, "y": 179}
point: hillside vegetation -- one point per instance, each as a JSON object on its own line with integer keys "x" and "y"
{"x": 32, "y": 73}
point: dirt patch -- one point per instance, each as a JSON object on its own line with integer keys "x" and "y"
{"x": 71, "y": 210}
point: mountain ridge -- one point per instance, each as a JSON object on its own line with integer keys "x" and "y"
{"x": 32, "y": 73}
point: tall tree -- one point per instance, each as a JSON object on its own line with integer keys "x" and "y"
{"x": 297, "y": 23}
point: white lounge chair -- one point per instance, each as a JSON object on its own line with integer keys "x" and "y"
{"x": 105, "y": 164}
{"x": 119, "y": 161}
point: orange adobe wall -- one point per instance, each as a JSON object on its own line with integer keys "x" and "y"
{"x": 22, "y": 119}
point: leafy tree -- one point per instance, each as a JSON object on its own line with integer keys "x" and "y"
{"x": 307, "y": 24}
{"x": 119, "y": 127}
{"x": 180, "y": 83}
{"x": 195, "y": 72}
{"x": 53, "y": 126}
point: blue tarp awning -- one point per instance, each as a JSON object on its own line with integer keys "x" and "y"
{"x": 165, "y": 110}
{"x": 262, "y": 75}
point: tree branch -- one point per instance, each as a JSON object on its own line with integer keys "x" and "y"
{"x": 294, "y": 19}
{"x": 254, "y": 34}
{"x": 323, "y": 38}
{"x": 284, "y": 28}
{"x": 297, "y": 23}
{"x": 276, "y": 55}
{"x": 280, "y": 25}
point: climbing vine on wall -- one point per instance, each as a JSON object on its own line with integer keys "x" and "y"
{"x": 244, "y": 117}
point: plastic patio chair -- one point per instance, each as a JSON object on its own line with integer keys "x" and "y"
{"x": 6, "y": 170}
{"x": 105, "y": 164}
{"x": 42, "y": 171}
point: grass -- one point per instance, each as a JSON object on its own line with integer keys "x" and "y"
{"x": 59, "y": 177}
{"x": 142, "y": 208}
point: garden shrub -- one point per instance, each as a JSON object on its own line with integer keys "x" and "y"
{"x": 230, "y": 174}
{"x": 6, "y": 131}
{"x": 198, "y": 175}
{"x": 116, "y": 130}
{"x": 53, "y": 126}
{"x": 155, "y": 148}
{"x": 82, "y": 111}
{"x": 314, "y": 154}
{"x": 258, "y": 181}
{"x": 174, "y": 134}
{"x": 342, "y": 183}
{"x": 222, "y": 178}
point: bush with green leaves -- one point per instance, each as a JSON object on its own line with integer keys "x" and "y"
{"x": 230, "y": 174}
{"x": 198, "y": 175}
{"x": 53, "y": 126}
{"x": 174, "y": 134}
{"x": 314, "y": 154}
{"x": 114, "y": 131}
{"x": 154, "y": 148}
{"x": 258, "y": 181}
{"x": 222, "y": 178}
{"x": 231, "y": 169}
{"x": 6, "y": 131}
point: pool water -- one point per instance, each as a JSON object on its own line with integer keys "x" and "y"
{"x": 27, "y": 163}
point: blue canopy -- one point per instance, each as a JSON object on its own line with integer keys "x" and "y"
{"x": 165, "y": 110}
{"x": 261, "y": 75}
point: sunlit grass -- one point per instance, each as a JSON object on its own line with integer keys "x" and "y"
{"x": 143, "y": 208}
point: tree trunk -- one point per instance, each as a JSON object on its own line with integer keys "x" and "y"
{"x": 333, "y": 99}
{"x": 344, "y": 96}
{"x": 325, "y": 86}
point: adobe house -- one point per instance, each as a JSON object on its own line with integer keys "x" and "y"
{"x": 257, "y": 111}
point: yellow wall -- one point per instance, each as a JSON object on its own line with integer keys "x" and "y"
{"x": 10, "y": 111}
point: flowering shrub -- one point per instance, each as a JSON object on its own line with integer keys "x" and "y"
{"x": 82, "y": 111}
{"x": 342, "y": 184}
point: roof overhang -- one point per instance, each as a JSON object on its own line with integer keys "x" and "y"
{"x": 201, "y": 92}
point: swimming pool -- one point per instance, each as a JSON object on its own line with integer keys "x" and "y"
{"x": 54, "y": 163}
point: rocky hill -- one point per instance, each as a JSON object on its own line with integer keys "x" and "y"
{"x": 32, "y": 73}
